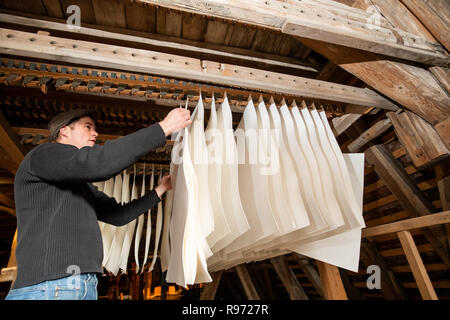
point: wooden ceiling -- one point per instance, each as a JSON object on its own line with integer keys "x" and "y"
{"x": 123, "y": 106}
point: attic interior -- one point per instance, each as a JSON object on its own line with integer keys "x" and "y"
{"x": 385, "y": 96}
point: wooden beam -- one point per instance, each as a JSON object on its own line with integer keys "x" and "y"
{"x": 376, "y": 130}
{"x": 210, "y": 289}
{"x": 408, "y": 195}
{"x": 247, "y": 283}
{"x": 434, "y": 15}
{"x": 324, "y": 23}
{"x": 417, "y": 267}
{"x": 159, "y": 42}
{"x": 342, "y": 123}
{"x": 332, "y": 282}
{"x": 130, "y": 59}
{"x": 408, "y": 224}
{"x": 410, "y": 86}
{"x": 11, "y": 211}
{"x": 288, "y": 278}
{"x": 419, "y": 138}
{"x": 311, "y": 273}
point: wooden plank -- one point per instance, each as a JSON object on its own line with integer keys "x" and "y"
{"x": 303, "y": 19}
{"x": 247, "y": 283}
{"x": 431, "y": 18}
{"x": 312, "y": 274}
{"x": 110, "y": 13}
{"x": 340, "y": 124}
{"x": 332, "y": 282}
{"x": 443, "y": 75}
{"x": 89, "y": 53}
{"x": 140, "y": 17}
{"x": 420, "y": 140}
{"x": 408, "y": 224}
{"x": 399, "y": 15}
{"x": 413, "y": 87}
{"x": 403, "y": 187}
{"x": 210, "y": 289}
{"x": 376, "y": 130}
{"x": 288, "y": 278}
{"x": 418, "y": 269}
{"x": 53, "y": 8}
{"x": 443, "y": 129}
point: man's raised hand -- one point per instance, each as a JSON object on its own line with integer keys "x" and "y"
{"x": 175, "y": 120}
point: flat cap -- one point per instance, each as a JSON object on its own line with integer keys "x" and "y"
{"x": 63, "y": 119}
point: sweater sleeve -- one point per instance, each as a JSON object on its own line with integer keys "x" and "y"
{"x": 109, "y": 211}
{"x": 66, "y": 163}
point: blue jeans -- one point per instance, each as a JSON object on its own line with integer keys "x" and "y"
{"x": 76, "y": 287}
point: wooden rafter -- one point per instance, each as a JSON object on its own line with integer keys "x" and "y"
{"x": 247, "y": 283}
{"x": 88, "y": 53}
{"x": 324, "y": 22}
{"x": 408, "y": 195}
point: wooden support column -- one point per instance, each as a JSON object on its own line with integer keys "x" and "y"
{"x": 419, "y": 138}
{"x": 340, "y": 124}
{"x": 332, "y": 282}
{"x": 288, "y": 279}
{"x": 408, "y": 194}
{"x": 247, "y": 282}
{"x": 210, "y": 289}
{"x": 418, "y": 269}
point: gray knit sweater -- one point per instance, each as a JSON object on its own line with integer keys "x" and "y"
{"x": 58, "y": 208}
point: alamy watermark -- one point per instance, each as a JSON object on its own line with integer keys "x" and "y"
{"x": 74, "y": 20}
{"x": 258, "y": 147}
{"x": 374, "y": 281}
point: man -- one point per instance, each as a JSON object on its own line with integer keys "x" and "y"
{"x": 59, "y": 245}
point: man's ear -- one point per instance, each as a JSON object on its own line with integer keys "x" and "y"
{"x": 64, "y": 132}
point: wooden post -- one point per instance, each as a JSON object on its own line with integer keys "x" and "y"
{"x": 288, "y": 278}
{"x": 408, "y": 194}
{"x": 247, "y": 283}
{"x": 332, "y": 282}
{"x": 210, "y": 289}
{"x": 418, "y": 269}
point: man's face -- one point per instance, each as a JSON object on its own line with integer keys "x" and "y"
{"x": 81, "y": 133}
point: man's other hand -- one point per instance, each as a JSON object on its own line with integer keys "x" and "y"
{"x": 175, "y": 120}
{"x": 164, "y": 185}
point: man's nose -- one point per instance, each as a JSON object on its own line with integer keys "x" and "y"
{"x": 95, "y": 134}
